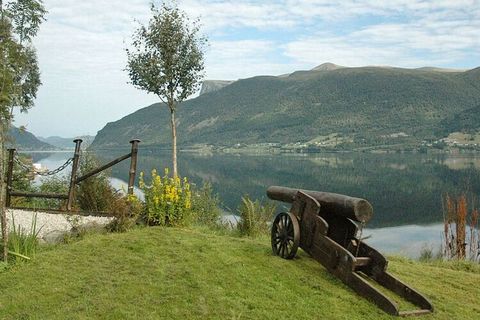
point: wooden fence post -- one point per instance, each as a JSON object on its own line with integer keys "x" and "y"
{"x": 73, "y": 177}
{"x": 133, "y": 165}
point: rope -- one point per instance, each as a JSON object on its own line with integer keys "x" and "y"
{"x": 42, "y": 173}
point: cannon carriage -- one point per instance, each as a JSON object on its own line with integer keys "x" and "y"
{"x": 325, "y": 226}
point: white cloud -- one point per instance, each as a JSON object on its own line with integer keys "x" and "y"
{"x": 436, "y": 33}
{"x": 243, "y": 59}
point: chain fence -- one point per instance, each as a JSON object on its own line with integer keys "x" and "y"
{"x": 30, "y": 168}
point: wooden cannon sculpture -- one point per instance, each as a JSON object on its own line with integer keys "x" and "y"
{"x": 322, "y": 224}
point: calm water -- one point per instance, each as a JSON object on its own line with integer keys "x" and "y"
{"x": 404, "y": 189}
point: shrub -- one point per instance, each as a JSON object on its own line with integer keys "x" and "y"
{"x": 126, "y": 211}
{"x": 205, "y": 205}
{"x": 52, "y": 184}
{"x": 255, "y": 217}
{"x": 167, "y": 200}
{"x": 95, "y": 193}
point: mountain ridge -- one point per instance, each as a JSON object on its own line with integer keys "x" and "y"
{"x": 26, "y": 141}
{"x": 364, "y": 105}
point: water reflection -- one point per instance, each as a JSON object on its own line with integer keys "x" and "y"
{"x": 404, "y": 189}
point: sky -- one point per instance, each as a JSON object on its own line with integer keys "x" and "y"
{"x": 81, "y": 47}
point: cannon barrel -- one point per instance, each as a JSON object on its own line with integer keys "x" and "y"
{"x": 332, "y": 203}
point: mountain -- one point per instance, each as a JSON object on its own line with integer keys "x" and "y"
{"x": 67, "y": 143}
{"x": 23, "y": 140}
{"x": 327, "y": 67}
{"x": 213, "y": 85}
{"x": 363, "y": 106}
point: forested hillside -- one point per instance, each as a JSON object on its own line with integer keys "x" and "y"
{"x": 363, "y": 106}
{"x": 24, "y": 140}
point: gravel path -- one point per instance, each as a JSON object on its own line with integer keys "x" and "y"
{"x": 52, "y": 226}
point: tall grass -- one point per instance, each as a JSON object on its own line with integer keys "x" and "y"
{"x": 460, "y": 225}
{"x": 206, "y": 205}
{"x": 22, "y": 244}
{"x": 255, "y": 217}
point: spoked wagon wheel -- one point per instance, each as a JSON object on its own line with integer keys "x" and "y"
{"x": 285, "y": 235}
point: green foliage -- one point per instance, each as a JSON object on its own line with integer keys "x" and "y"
{"x": 168, "y": 201}
{"x": 53, "y": 184}
{"x": 20, "y": 76}
{"x": 255, "y": 217}
{"x": 167, "y": 57}
{"x": 205, "y": 205}
{"x": 26, "y": 15}
{"x": 126, "y": 210}
{"x": 167, "y": 60}
{"x": 22, "y": 244}
{"x": 94, "y": 193}
{"x": 3, "y": 266}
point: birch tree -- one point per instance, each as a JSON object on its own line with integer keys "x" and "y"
{"x": 167, "y": 59}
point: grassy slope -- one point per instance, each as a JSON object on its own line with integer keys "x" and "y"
{"x": 170, "y": 273}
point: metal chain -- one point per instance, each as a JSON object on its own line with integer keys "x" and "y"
{"x": 40, "y": 173}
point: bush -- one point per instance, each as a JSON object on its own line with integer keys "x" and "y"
{"x": 255, "y": 217}
{"x": 167, "y": 200}
{"x": 52, "y": 184}
{"x": 94, "y": 194}
{"x": 205, "y": 205}
{"x": 126, "y": 211}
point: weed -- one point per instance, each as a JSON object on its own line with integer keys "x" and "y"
{"x": 457, "y": 221}
{"x": 22, "y": 245}
{"x": 205, "y": 205}
{"x": 254, "y": 217}
{"x": 126, "y": 210}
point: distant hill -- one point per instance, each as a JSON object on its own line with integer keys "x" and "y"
{"x": 363, "y": 106}
{"x": 24, "y": 140}
{"x": 67, "y": 143}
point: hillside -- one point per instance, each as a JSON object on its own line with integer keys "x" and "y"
{"x": 67, "y": 143}
{"x": 24, "y": 140}
{"x": 362, "y": 106}
{"x": 159, "y": 273}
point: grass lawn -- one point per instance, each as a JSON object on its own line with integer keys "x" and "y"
{"x": 155, "y": 273}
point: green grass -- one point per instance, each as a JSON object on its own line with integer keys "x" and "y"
{"x": 154, "y": 273}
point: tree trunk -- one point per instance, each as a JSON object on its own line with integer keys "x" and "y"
{"x": 3, "y": 212}
{"x": 174, "y": 143}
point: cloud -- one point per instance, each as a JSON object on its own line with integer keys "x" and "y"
{"x": 243, "y": 59}
{"x": 435, "y": 34}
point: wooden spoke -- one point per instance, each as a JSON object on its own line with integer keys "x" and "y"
{"x": 285, "y": 235}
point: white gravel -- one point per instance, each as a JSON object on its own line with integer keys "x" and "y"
{"x": 50, "y": 223}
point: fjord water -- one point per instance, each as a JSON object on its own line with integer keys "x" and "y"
{"x": 405, "y": 189}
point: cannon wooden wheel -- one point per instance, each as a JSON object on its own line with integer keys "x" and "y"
{"x": 285, "y": 235}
